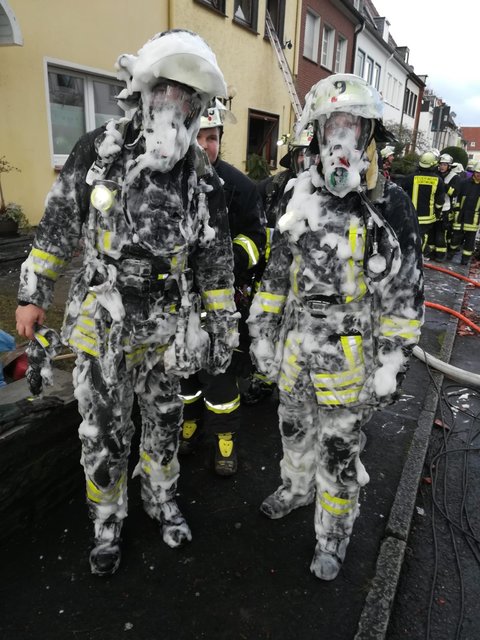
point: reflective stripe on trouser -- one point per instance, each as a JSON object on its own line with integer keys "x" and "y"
{"x": 107, "y": 429}
{"x": 321, "y": 449}
{"x": 221, "y": 400}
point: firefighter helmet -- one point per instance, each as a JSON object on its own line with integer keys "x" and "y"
{"x": 179, "y": 55}
{"x": 428, "y": 160}
{"x": 387, "y": 151}
{"x": 216, "y": 115}
{"x": 476, "y": 167}
{"x": 302, "y": 137}
{"x": 446, "y": 158}
{"x": 343, "y": 92}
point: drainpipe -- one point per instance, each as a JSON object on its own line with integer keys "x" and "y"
{"x": 358, "y": 29}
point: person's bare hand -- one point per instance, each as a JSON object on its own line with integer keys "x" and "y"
{"x": 27, "y": 317}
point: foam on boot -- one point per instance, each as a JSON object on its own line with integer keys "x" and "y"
{"x": 282, "y": 502}
{"x": 175, "y": 530}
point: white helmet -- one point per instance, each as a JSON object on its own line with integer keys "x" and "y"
{"x": 216, "y": 116}
{"x": 343, "y": 92}
{"x": 302, "y": 137}
{"x": 476, "y": 167}
{"x": 178, "y": 55}
{"x": 387, "y": 151}
{"x": 446, "y": 157}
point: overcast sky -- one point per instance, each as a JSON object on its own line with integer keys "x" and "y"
{"x": 443, "y": 38}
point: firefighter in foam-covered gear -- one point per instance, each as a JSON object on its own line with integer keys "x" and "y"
{"x": 151, "y": 213}
{"x": 215, "y": 400}
{"x": 338, "y": 312}
{"x": 427, "y": 192}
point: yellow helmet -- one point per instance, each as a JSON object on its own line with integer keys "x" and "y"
{"x": 428, "y": 160}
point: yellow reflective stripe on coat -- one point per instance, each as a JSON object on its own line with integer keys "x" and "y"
{"x": 395, "y": 326}
{"x": 84, "y": 340}
{"x": 353, "y": 350}
{"x": 336, "y": 506}
{"x": 290, "y": 367}
{"x": 105, "y": 496}
{"x": 104, "y": 240}
{"x": 249, "y": 246}
{"x": 268, "y": 242}
{"x": 46, "y": 264}
{"x": 225, "y": 407}
{"x": 271, "y": 302}
{"x": 218, "y": 300}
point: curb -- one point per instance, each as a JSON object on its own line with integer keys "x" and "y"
{"x": 375, "y": 616}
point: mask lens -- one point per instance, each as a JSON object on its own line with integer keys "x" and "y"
{"x": 167, "y": 95}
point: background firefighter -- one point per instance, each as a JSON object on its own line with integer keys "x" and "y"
{"x": 146, "y": 204}
{"x": 214, "y": 401}
{"x": 339, "y": 309}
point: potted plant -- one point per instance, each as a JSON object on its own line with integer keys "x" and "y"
{"x": 12, "y": 216}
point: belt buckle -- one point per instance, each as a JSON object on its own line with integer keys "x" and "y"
{"x": 318, "y": 306}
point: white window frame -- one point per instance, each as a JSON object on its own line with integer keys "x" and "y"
{"x": 360, "y": 58}
{"x": 88, "y": 75}
{"x": 328, "y": 39}
{"x": 313, "y": 55}
{"x": 341, "y": 55}
{"x": 377, "y": 75}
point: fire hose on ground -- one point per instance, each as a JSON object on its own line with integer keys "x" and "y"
{"x": 454, "y": 373}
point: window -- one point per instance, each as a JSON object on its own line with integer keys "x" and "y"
{"x": 263, "y": 135}
{"x": 327, "y": 47}
{"x": 340, "y": 55}
{"x": 218, "y": 5}
{"x": 245, "y": 12}
{"x": 79, "y": 102}
{"x": 360, "y": 63}
{"x": 312, "y": 36}
{"x": 276, "y": 9}
{"x": 368, "y": 70}
{"x": 410, "y": 105}
{"x": 376, "y": 76}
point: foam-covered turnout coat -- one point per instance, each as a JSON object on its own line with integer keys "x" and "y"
{"x": 133, "y": 312}
{"x": 339, "y": 309}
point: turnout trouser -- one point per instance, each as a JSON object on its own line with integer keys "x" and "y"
{"x": 106, "y": 432}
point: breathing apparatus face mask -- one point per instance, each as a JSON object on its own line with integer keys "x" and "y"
{"x": 343, "y": 138}
{"x": 171, "y": 119}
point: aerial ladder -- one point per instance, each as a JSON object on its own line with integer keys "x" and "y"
{"x": 282, "y": 61}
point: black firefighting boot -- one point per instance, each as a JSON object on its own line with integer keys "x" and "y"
{"x": 465, "y": 259}
{"x": 106, "y": 554}
{"x": 328, "y": 557}
{"x": 225, "y": 462}
{"x": 175, "y": 530}
{"x": 282, "y": 501}
{"x": 189, "y": 436}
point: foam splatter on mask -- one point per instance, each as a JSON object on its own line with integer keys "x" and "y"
{"x": 171, "y": 119}
{"x": 342, "y": 139}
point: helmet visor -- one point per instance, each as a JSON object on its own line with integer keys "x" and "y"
{"x": 345, "y": 128}
{"x": 180, "y": 99}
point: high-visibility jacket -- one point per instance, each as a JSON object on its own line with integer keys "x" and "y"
{"x": 427, "y": 192}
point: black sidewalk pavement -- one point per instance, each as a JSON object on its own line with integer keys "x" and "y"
{"x": 243, "y": 576}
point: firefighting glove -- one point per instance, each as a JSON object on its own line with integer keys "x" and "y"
{"x": 263, "y": 353}
{"x": 40, "y": 352}
{"x": 382, "y": 386}
{"x": 223, "y": 339}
